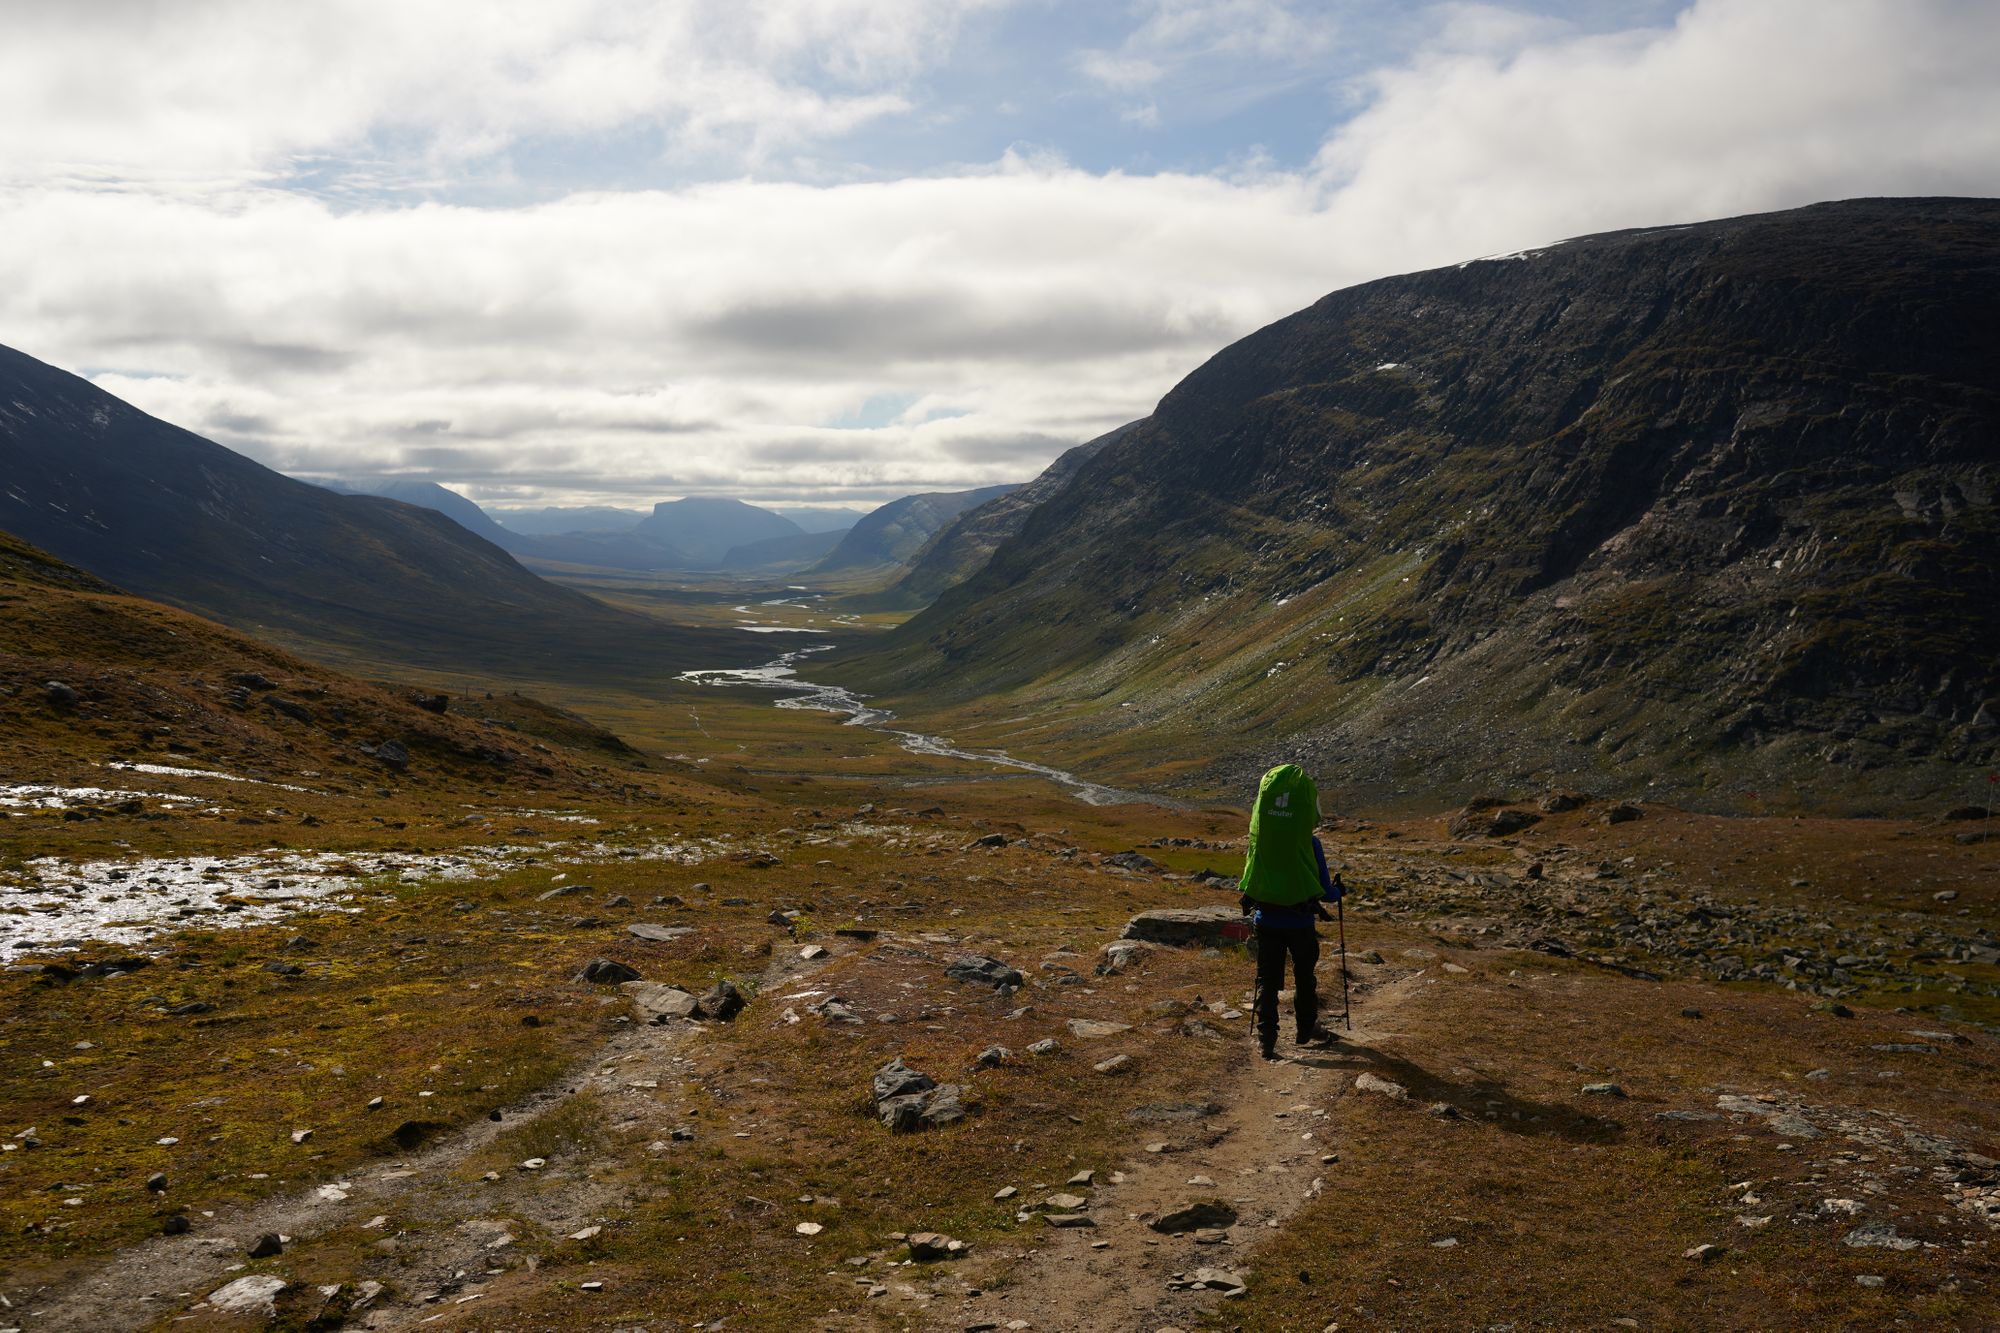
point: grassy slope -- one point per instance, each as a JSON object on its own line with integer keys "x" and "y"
{"x": 1578, "y": 1210}
{"x": 1704, "y": 511}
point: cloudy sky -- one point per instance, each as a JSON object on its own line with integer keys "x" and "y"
{"x": 574, "y": 251}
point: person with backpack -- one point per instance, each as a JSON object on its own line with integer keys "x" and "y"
{"x": 1286, "y": 885}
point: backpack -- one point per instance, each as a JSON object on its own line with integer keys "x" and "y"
{"x": 1279, "y": 868}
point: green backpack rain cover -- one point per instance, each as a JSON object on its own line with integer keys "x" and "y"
{"x": 1281, "y": 868}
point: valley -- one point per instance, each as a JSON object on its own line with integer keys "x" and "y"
{"x": 694, "y": 919}
{"x": 402, "y": 1075}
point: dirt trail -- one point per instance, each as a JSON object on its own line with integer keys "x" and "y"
{"x": 1263, "y": 1152}
{"x": 146, "y": 1281}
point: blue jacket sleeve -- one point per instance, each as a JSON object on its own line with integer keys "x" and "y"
{"x": 1330, "y": 891}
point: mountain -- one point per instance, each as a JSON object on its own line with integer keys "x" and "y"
{"x": 1702, "y": 511}
{"x": 706, "y": 528}
{"x": 123, "y": 665}
{"x": 781, "y": 553}
{"x": 896, "y": 531}
{"x": 822, "y": 520}
{"x": 551, "y": 522}
{"x": 168, "y": 515}
{"x": 962, "y": 547}
{"x": 430, "y": 495}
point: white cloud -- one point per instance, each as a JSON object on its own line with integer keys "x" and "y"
{"x": 1739, "y": 106}
{"x": 663, "y": 340}
{"x": 639, "y": 344}
{"x": 1173, "y": 35}
{"x": 166, "y": 91}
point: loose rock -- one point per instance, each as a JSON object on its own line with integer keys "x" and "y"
{"x": 604, "y": 972}
{"x": 1194, "y": 1217}
{"x": 983, "y": 970}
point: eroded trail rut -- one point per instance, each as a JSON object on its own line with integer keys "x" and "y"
{"x": 1263, "y": 1152}
{"x": 446, "y": 1261}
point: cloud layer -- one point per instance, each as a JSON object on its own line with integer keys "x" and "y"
{"x": 635, "y": 343}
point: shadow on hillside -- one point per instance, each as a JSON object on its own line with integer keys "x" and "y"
{"x": 1472, "y": 1100}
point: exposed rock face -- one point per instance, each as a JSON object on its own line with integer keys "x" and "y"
{"x": 1709, "y": 507}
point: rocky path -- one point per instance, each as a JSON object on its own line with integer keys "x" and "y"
{"x": 1264, "y": 1154}
{"x": 441, "y": 1265}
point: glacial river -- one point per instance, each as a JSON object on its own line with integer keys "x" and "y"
{"x": 782, "y": 675}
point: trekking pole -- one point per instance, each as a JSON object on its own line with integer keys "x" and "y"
{"x": 1346, "y": 1009}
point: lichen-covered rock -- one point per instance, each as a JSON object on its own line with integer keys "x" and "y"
{"x": 1187, "y": 926}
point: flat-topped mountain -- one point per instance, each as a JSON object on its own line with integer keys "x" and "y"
{"x": 708, "y": 528}
{"x": 168, "y": 515}
{"x": 1704, "y": 510}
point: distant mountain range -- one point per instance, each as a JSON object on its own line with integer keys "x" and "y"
{"x": 694, "y": 534}
{"x": 166, "y": 514}
{"x": 1706, "y": 512}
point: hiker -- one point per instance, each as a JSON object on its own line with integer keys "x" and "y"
{"x": 1285, "y": 883}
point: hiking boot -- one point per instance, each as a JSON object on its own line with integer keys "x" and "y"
{"x": 1269, "y": 1052}
{"x": 1319, "y": 1036}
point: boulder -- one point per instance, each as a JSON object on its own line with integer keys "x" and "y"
{"x": 720, "y": 1003}
{"x": 1187, "y": 926}
{"x": 1120, "y": 955}
{"x": 656, "y": 1002}
{"x": 394, "y": 754}
{"x": 256, "y": 1294}
{"x": 1558, "y": 802}
{"x": 604, "y": 972}
{"x": 1195, "y": 1216}
{"x": 1622, "y": 813}
{"x": 1489, "y": 822}
{"x": 646, "y": 930}
{"x": 984, "y": 971}
{"x": 897, "y": 1079}
{"x": 929, "y": 1246}
{"x": 907, "y": 1100}
{"x": 1135, "y": 861}
{"x": 1096, "y": 1027}
{"x": 59, "y": 694}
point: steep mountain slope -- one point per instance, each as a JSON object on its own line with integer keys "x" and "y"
{"x": 962, "y": 547}
{"x": 429, "y": 495}
{"x": 706, "y": 528}
{"x": 1709, "y": 508}
{"x": 896, "y": 531}
{"x": 137, "y": 682}
{"x": 169, "y": 515}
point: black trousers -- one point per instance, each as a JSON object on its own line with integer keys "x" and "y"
{"x": 1273, "y": 945}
